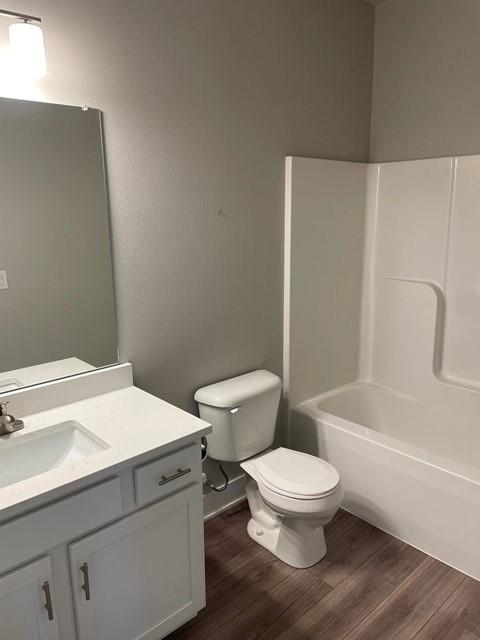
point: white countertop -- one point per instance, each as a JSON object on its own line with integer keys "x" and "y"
{"x": 132, "y": 422}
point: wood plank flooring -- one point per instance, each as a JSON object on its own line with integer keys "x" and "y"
{"x": 369, "y": 586}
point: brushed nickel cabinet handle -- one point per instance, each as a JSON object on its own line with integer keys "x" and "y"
{"x": 86, "y": 580}
{"x": 179, "y": 474}
{"x": 48, "y": 600}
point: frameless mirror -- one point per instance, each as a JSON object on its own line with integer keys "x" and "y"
{"x": 57, "y": 308}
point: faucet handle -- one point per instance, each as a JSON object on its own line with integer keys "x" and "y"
{"x": 8, "y": 424}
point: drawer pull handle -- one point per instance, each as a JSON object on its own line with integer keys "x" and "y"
{"x": 179, "y": 474}
{"x": 48, "y": 600}
{"x": 86, "y": 580}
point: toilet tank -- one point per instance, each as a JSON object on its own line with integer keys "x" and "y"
{"x": 243, "y": 414}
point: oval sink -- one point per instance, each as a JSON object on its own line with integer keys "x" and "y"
{"x": 29, "y": 455}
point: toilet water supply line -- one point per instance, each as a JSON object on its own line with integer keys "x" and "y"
{"x": 220, "y": 466}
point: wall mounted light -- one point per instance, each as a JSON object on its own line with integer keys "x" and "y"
{"x": 26, "y": 45}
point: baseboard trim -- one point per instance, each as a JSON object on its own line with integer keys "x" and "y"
{"x": 216, "y": 503}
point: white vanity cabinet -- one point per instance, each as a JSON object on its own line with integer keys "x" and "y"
{"x": 126, "y": 555}
{"x": 26, "y": 603}
{"x": 104, "y": 544}
{"x": 141, "y": 577}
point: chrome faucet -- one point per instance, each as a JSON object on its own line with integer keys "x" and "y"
{"x": 8, "y": 424}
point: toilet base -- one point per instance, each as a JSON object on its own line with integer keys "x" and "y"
{"x": 299, "y": 542}
{"x": 290, "y": 545}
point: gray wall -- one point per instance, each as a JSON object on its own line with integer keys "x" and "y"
{"x": 426, "y": 99}
{"x": 327, "y": 238}
{"x": 54, "y": 238}
{"x": 202, "y": 100}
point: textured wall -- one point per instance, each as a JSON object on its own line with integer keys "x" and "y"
{"x": 327, "y": 215}
{"x": 426, "y": 96}
{"x": 202, "y": 101}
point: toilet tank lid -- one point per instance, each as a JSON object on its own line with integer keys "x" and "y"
{"x": 231, "y": 393}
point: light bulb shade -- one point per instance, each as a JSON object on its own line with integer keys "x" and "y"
{"x": 27, "y": 48}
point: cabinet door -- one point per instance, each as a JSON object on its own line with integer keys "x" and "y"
{"x": 27, "y": 603}
{"x": 142, "y": 577}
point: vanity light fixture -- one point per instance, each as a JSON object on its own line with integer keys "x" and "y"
{"x": 26, "y": 45}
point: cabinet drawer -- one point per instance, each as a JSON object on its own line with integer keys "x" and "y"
{"x": 38, "y": 531}
{"x": 170, "y": 473}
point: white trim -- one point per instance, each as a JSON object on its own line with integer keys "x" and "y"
{"x": 368, "y": 284}
{"x": 286, "y": 274}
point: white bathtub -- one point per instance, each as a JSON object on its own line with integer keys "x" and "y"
{"x": 411, "y": 469}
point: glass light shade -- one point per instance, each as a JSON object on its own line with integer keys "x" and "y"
{"x": 28, "y": 52}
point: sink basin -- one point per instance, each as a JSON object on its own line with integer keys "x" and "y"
{"x": 28, "y": 455}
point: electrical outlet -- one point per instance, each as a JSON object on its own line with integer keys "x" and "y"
{"x": 3, "y": 280}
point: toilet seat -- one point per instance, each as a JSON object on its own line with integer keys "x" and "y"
{"x": 295, "y": 475}
{"x": 299, "y": 507}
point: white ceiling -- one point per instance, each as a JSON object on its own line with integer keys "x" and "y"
{"x": 376, "y": 1}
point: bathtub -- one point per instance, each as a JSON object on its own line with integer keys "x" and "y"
{"x": 408, "y": 467}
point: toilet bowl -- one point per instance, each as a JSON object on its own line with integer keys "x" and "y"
{"x": 291, "y": 495}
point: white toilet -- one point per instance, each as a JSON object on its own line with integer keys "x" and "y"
{"x": 291, "y": 495}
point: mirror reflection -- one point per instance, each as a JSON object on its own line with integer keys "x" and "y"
{"x": 57, "y": 309}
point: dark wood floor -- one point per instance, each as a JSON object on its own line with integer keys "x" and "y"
{"x": 369, "y": 586}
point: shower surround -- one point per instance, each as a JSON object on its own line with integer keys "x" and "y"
{"x": 382, "y": 341}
